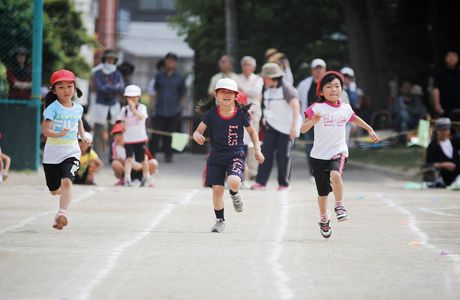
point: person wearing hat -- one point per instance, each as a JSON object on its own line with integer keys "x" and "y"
{"x": 282, "y": 120}
{"x": 19, "y": 76}
{"x": 61, "y": 126}
{"x": 443, "y": 152}
{"x": 90, "y": 163}
{"x": 350, "y": 90}
{"x": 225, "y": 71}
{"x": 168, "y": 103}
{"x": 226, "y": 122}
{"x": 108, "y": 85}
{"x": 133, "y": 117}
{"x": 281, "y": 59}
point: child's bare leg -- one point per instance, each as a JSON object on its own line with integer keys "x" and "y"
{"x": 218, "y": 197}
{"x": 322, "y": 204}
{"x": 234, "y": 183}
{"x": 66, "y": 193}
{"x": 145, "y": 169}
{"x": 118, "y": 169}
{"x": 7, "y": 165}
{"x": 128, "y": 164}
{"x": 153, "y": 166}
{"x": 337, "y": 187}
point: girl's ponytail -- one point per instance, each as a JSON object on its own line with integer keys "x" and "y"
{"x": 50, "y": 98}
{"x": 205, "y": 104}
{"x": 243, "y": 107}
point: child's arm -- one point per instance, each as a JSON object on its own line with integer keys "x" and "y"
{"x": 255, "y": 140}
{"x": 198, "y": 134}
{"x": 99, "y": 164}
{"x": 135, "y": 111}
{"x": 48, "y": 132}
{"x": 295, "y": 105}
{"x": 361, "y": 123}
{"x": 309, "y": 123}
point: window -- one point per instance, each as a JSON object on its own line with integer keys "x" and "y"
{"x": 156, "y": 4}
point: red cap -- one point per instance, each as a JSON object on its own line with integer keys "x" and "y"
{"x": 62, "y": 75}
{"x": 325, "y": 74}
{"x": 117, "y": 128}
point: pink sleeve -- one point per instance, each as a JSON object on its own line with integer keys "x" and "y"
{"x": 309, "y": 112}
{"x": 352, "y": 118}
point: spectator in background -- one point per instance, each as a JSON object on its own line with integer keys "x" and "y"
{"x": 19, "y": 76}
{"x": 350, "y": 88}
{"x": 408, "y": 108}
{"x": 251, "y": 84}
{"x": 225, "y": 71}
{"x": 272, "y": 55}
{"x": 109, "y": 85}
{"x": 151, "y": 86}
{"x": 446, "y": 92}
{"x": 455, "y": 118}
{"x": 90, "y": 163}
{"x": 307, "y": 96}
{"x": 443, "y": 153}
{"x": 168, "y": 104}
{"x": 126, "y": 69}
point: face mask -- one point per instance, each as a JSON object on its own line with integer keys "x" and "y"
{"x": 108, "y": 68}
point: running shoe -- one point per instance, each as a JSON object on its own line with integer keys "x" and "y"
{"x": 258, "y": 187}
{"x": 128, "y": 182}
{"x": 120, "y": 182}
{"x": 237, "y": 202}
{"x": 341, "y": 213}
{"x": 145, "y": 182}
{"x": 325, "y": 229}
{"x": 219, "y": 226}
{"x": 60, "y": 221}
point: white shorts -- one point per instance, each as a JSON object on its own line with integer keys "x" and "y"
{"x": 99, "y": 113}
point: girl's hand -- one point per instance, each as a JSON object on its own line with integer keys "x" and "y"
{"x": 375, "y": 138}
{"x": 315, "y": 118}
{"x": 199, "y": 138}
{"x": 131, "y": 103}
{"x": 259, "y": 157}
{"x": 64, "y": 132}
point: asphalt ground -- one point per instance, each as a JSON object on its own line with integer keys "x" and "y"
{"x": 155, "y": 243}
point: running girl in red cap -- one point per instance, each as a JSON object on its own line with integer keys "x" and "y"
{"x": 226, "y": 123}
{"x": 329, "y": 154}
{"x": 62, "y": 123}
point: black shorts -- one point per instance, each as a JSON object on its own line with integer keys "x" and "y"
{"x": 220, "y": 166}
{"x": 55, "y": 172}
{"x": 81, "y": 179}
{"x": 322, "y": 172}
{"x": 137, "y": 149}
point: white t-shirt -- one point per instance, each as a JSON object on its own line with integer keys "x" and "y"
{"x": 277, "y": 111}
{"x": 134, "y": 128}
{"x": 118, "y": 152}
{"x": 60, "y": 148}
{"x": 447, "y": 148}
{"x": 330, "y": 130}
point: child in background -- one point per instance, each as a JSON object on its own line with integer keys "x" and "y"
{"x": 90, "y": 163}
{"x": 226, "y": 124}
{"x": 5, "y": 162}
{"x": 329, "y": 154}
{"x": 133, "y": 117}
{"x": 61, "y": 124}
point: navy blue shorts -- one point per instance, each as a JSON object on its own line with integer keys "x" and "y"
{"x": 219, "y": 166}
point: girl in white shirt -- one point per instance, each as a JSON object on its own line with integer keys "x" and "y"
{"x": 329, "y": 154}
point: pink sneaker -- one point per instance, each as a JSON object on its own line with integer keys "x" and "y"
{"x": 60, "y": 221}
{"x": 282, "y": 188}
{"x": 120, "y": 182}
{"x": 257, "y": 186}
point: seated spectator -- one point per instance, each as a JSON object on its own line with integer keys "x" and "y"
{"x": 443, "y": 153}
{"x": 5, "y": 162}
{"x": 408, "y": 109}
{"x": 119, "y": 157}
{"x": 90, "y": 163}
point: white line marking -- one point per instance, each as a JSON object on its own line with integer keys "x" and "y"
{"x": 440, "y": 213}
{"x": 454, "y": 279}
{"x": 31, "y": 219}
{"x": 282, "y": 278}
{"x": 118, "y": 251}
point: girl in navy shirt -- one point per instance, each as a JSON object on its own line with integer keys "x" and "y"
{"x": 226, "y": 158}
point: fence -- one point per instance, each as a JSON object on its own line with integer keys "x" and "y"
{"x": 21, "y": 30}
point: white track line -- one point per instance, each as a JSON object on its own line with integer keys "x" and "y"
{"x": 439, "y": 213}
{"x": 118, "y": 251}
{"x": 424, "y": 239}
{"x": 282, "y": 278}
{"x": 31, "y": 219}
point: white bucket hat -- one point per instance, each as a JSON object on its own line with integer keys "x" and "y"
{"x": 228, "y": 84}
{"x": 132, "y": 91}
{"x": 348, "y": 71}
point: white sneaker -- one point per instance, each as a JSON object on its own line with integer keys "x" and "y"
{"x": 237, "y": 202}
{"x": 219, "y": 226}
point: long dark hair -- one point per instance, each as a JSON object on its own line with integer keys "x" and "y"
{"x": 51, "y": 96}
{"x": 327, "y": 78}
{"x": 207, "y": 104}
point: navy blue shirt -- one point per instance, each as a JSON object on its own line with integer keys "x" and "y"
{"x": 108, "y": 87}
{"x": 226, "y": 133}
{"x": 169, "y": 90}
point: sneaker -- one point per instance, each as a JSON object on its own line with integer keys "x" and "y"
{"x": 136, "y": 183}
{"x": 325, "y": 229}
{"x": 257, "y": 186}
{"x": 128, "y": 182}
{"x": 237, "y": 202}
{"x": 145, "y": 182}
{"x": 219, "y": 226}
{"x": 282, "y": 188}
{"x": 341, "y": 213}
{"x": 120, "y": 182}
{"x": 60, "y": 221}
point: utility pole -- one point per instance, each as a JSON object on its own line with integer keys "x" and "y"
{"x": 231, "y": 25}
